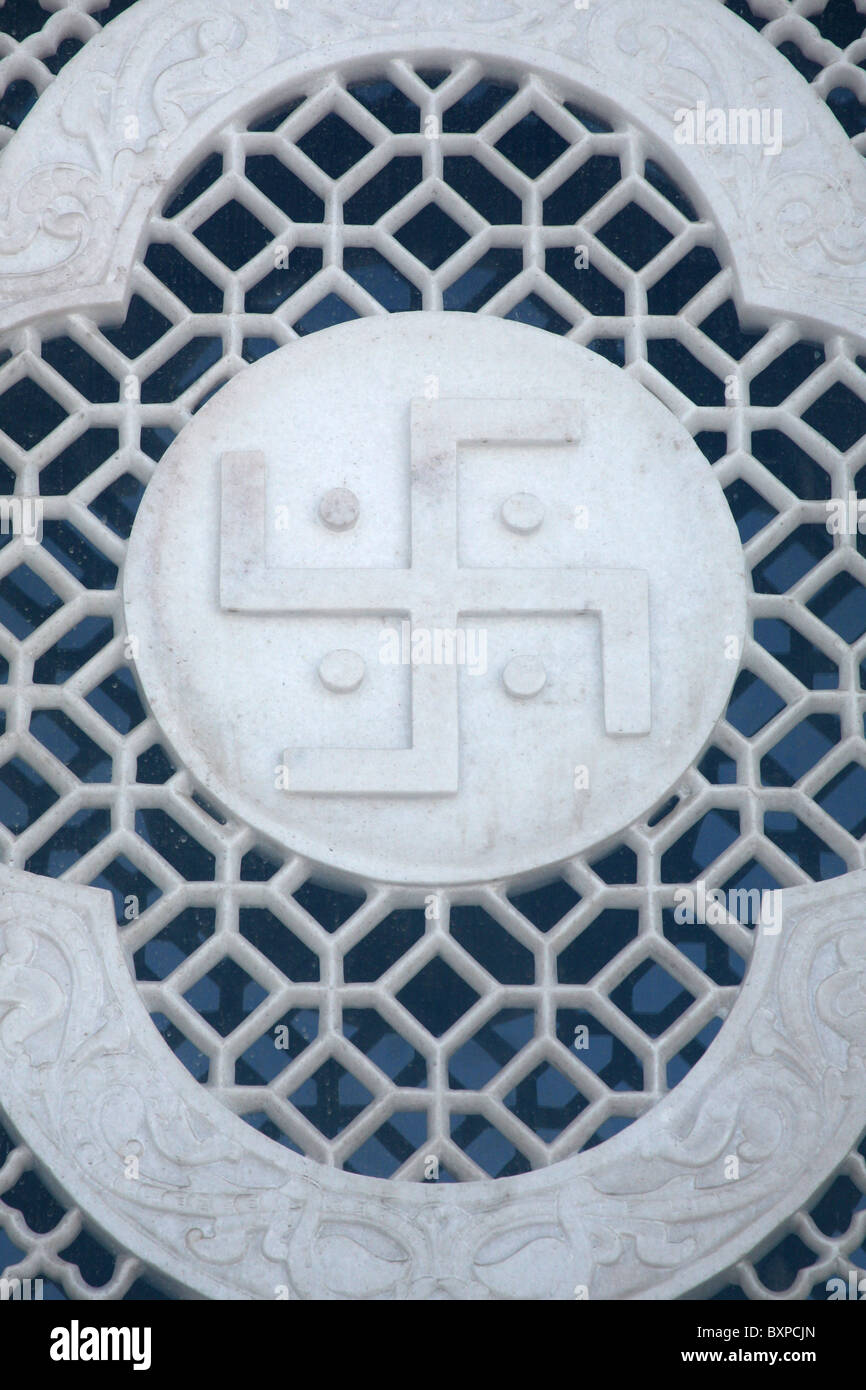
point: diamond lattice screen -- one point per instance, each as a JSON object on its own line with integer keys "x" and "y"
{"x": 403, "y": 1035}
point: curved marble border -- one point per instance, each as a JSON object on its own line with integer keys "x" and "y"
{"x": 215, "y": 1209}
{"x": 72, "y": 221}
{"x": 219, "y": 1211}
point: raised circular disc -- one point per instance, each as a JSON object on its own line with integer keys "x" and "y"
{"x": 524, "y": 676}
{"x": 632, "y": 596}
{"x": 342, "y": 672}
{"x": 338, "y": 509}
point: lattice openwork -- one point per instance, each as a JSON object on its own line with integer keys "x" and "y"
{"x": 408, "y": 1035}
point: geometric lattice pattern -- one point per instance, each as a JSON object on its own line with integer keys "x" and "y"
{"x": 338, "y": 1023}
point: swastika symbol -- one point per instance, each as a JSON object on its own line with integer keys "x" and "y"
{"x": 436, "y": 591}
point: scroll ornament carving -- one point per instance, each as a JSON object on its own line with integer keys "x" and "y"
{"x": 130, "y": 110}
{"x": 227, "y": 1213}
